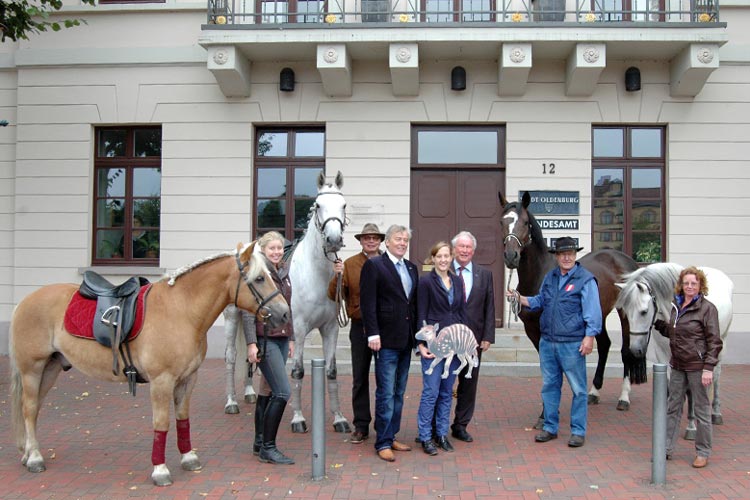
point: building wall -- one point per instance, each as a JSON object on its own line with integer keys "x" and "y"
{"x": 57, "y": 87}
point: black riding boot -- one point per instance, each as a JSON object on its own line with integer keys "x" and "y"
{"x": 261, "y": 403}
{"x": 268, "y": 452}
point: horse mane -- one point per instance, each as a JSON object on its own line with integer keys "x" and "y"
{"x": 536, "y": 232}
{"x": 660, "y": 278}
{"x": 256, "y": 265}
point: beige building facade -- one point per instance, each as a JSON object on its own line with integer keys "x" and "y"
{"x": 178, "y": 106}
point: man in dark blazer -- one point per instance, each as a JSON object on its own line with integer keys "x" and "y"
{"x": 480, "y": 317}
{"x": 388, "y": 298}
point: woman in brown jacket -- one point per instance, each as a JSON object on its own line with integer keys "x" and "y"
{"x": 694, "y": 341}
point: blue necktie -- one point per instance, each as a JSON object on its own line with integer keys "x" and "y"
{"x": 405, "y": 278}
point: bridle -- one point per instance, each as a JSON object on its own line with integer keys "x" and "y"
{"x": 263, "y": 312}
{"x": 653, "y": 317}
{"x": 321, "y": 225}
{"x": 521, "y": 244}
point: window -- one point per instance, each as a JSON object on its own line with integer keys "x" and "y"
{"x": 287, "y": 164}
{"x": 127, "y": 195}
{"x": 447, "y": 11}
{"x": 290, "y": 11}
{"x": 628, "y": 191}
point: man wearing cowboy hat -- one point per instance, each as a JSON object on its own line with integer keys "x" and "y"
{"x": 571, "y": 318}
{"x": 370, "y": 239}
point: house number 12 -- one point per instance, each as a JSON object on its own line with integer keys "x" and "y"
{"x": 548, "y": 170}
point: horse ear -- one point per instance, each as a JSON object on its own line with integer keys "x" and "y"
{"x": 245, "y": 251}
{"x": 526, "y": 200}
{"x": 502, "y": 199}
{"x": 339, "y": 179}
{"x": 621, "y": 286}
{"x": 321, "y": 179}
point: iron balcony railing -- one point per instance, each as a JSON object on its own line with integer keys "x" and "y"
{"x": 400, "y": 13}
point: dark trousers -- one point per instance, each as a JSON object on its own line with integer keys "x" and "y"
{"x": 361, "y": 361}
{"x": 466, "y": 395}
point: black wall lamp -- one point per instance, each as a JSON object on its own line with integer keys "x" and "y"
{"x": 286, "y": 80}
{"x": 632, "y": 79}
{"x": 458, "y": 78}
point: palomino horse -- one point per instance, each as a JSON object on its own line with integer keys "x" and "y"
{"x": 311, "y": 270}
{"x": 526, "y": 250}
{"x": 167, "y": 352}
{"x": 647, "y": 295}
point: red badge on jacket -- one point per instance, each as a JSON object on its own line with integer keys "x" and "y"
{"x": 569, "y": 287}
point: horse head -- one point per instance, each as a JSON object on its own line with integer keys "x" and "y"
{"x": 516, "y": 223}
{"x": 329, "y": 213}
{"x": 264, "y": 299}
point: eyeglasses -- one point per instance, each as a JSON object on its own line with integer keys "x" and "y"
{"x": 691, "y": 284}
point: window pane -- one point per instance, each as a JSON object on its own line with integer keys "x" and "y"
{"x": 271, "y": 182}
{"x": 302, "y": 212}
{"x": 110, "y": 182}
{"x": 476, "y": 10}
{"x": 608, "y": 142}
{"x": 608, "y": 215}
{"x": 147, "y": 142}
{"x": 646, "y": 182}
{"x": 608, "y": 240}
{"x": 271, "y": 214}
{"x": 647, "y": 247}
{"x": 645, "y": 142}
{"x": 146, "y": 182}
{"x": 306, "y": 182}
{"x": 608, "y": 182}
{"x": 443, "y": 147}
{"x": 110, "y": 212}
{"x": 439, "y": 11}
{"x": 145, "y": 244}
{"x": 147, "y": 212}
{"x": 311, "y": 7}
{"x": 272, "y": 143}
{"x": 109, "y": 244}
{"x": 309, "y": 144}
{"x": 112, "y": 143}
{"x": 274, "y": 7}
{"x": 646, "y": 215}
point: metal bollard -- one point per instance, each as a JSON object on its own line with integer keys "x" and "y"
{"x": 659, "y": 426}
{"x": 318, "y": 419}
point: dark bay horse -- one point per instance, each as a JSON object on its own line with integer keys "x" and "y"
{"x": 527, "y": 251}
{"x": 167, "y": 352}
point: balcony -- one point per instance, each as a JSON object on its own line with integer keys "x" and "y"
{"x": 686, "y": 34}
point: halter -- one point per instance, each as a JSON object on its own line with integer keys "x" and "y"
{"x": 653, "y": 317}
{"x": 321, "y": 226}
{"x": 262, "y": 311}
{"x": 512, "y": 236}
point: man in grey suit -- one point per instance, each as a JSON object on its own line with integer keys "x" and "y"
{"x": 480, "y": 317}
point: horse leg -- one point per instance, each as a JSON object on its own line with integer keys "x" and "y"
{"x": 182, "y": 393}
{"x": 330, "y": 335}
{"x": 162, "y": 391}
{"x": 603, "y": 343}
{"x": 691, "y": 430}
{"x": 299, "y": 425}
{"x": 623, "y": 402}
{"x": 716, "y": 418}
{"x": 231, "y": 324}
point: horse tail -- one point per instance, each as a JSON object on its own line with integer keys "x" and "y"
{"x": 16, "y": 394}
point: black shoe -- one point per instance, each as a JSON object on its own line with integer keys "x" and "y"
{"x": 544, "y": 436}
{"x": 358, "y": 437}
{"x": 576, "y": 441}
{"x": 461, "y": 434}
{"x": 446, "y": 445}
{"x": 271, "y": 455}
{"x": 429, "y": 447}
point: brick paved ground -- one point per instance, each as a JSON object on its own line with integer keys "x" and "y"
{"x": 99, "y": 446}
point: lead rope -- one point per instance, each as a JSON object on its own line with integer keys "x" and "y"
{"x": 514, "y": 300}
{"x": 341, "y": 315}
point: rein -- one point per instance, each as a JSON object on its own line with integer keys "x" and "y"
{"x": 263, "y": 312}
{"x": 341, "y": 315}
{"x": 514, "y": 301}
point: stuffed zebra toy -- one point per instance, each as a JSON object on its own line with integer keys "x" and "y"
{"x": 454, "y": 340}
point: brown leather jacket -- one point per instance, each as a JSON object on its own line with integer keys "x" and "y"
{"x": 350, "y": 284}
{"x": 284, "y": 284}
{"x": 694, "y": 336}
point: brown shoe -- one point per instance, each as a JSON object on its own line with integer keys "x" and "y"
{"x": 396, "y": 446}
{"x": 387, "y": 455}
{"x": 700, "y": 462}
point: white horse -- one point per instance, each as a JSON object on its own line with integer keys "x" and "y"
{"x": 311, "y": 270}
{"x": 647, "y": 295}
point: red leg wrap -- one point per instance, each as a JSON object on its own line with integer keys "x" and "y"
{"x": 160, "y": 445}
{"x": 183, "y": 436}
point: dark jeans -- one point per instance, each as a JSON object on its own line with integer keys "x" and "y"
{"x": 391, "y": 375}
{"x": 361, "y": 361}
{"x": 466, "y": 395}
{"x": 273, "y": 366}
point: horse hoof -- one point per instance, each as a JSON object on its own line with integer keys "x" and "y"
{"x": 190, "y": 462}
{"x": 539, "y": 425}
{"x": 251, "y": 398}
{"x": 161, "y": 476}
{"x": 690, "y": 435}
{"x": 36, "y": 467}
{"x": 231, "y": 409}
{"x": 623, "y": 405}
{"x": 717, "y": 420}
{"x": 593, "y": 400}
{"x": 342, "y": 427}
{"x": 299, "y": 427}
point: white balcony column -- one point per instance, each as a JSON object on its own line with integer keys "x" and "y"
{"x": 335, "y": 67}
{"x": 585, "y": 63}
{"x": 403, "y": 59}
{"x": 231, "y": 70}
{"x": 689, "y": 71}
{"x": 513, "y": 70}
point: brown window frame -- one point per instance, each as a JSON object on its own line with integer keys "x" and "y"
{"x": 291, "y": 15}
{"x": 129, "y": 162}
{"x": 628, "y": 163}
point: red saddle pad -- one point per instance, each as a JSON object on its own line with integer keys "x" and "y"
{"x": 79, "y": 316}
